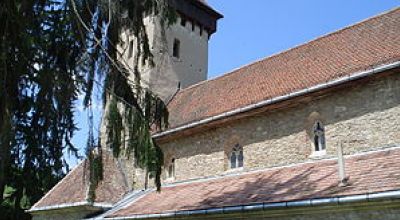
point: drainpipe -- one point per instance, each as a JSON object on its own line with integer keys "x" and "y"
{"x": 341, "y": 166}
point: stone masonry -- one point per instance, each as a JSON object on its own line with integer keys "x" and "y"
{"x": 363, "y": 117}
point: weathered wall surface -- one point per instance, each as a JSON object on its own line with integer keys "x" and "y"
{"x": 364, "y": 117}
{"x": 189, "y": 68}
{"x": 61, "y": 216}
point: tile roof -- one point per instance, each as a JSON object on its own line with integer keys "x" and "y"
{"x": 73, "y": 188}
{"x": 359, "y": 47}
{"x": 368, "y": 173}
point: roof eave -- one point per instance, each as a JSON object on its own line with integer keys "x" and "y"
{"x": 302, "y": 92}
{"x": 340, "y": 200}
{"x": 75, "y": 205}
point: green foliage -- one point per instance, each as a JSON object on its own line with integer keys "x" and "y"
{"x": 148, "y": 154}
{"x": 39, "y": 86}
{"x": 48, "y": 58}
{"x": 114, "y": 128}
{"x": 140, "y": 110}
{"x": 94, "y": 163}
{"x": 9, "y": 209}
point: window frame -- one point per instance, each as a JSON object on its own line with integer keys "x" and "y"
{"x": 237, "y": 154}
{"x": 318, "y": 139}
{"x": 171, "y": 169}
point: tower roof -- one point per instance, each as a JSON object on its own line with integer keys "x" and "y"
{"x": 198, "y": 11}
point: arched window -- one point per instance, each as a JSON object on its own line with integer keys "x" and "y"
{"x": 236, "y": 157}
{"x": 171, "y": 169}
{"x": 233, "y": 160}
{"x": 319, "y": 136}
{"x": 240, "y": 159}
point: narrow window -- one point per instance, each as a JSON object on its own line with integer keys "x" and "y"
{"x": 130, "y": 49}
{"x": 319, "y": 136}
{"x": 233, "y": 160}
{"x": 236, "y": 157}
{"x": 171, "y": 169}
{"x": 201, "y": 30}
{"x": 183, "y": 21}
{"x": 176, "y": 48}
{"x": 193, "y": 26}
{"x": 240, "y": 159}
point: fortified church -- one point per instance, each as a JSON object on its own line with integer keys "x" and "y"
{"x": 310, "y": 133}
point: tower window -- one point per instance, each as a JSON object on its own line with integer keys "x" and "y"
{"x": 130, "y": 49}
{"x": 319, "y": 136}
{"x": 171, "y": 169}
{"x": 236, "y": 157}
{"x": 193, "y": 26}
{"x": 176, "y": 48}
{"x": 183, "y": 21}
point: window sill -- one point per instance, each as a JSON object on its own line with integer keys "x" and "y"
{"x": 318, "y": 154}
{"x": 170, "y": 180}
{"x": 234, "y": 170}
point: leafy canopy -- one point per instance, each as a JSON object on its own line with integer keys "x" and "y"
{"x": 51, "y": 51}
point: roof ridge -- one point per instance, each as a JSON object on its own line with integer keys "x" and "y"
{"x": 340, "y": 30}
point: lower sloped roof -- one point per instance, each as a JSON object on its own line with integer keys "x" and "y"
{"x": 368, "y": 173}
{"x": 72, "y": 190}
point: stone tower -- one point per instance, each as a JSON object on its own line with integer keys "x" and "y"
{"x": 180, "y": 55}
{"x": 180, "y": 50}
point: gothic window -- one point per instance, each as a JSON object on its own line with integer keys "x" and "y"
{"x": 240, "y": 158}
{"x": 236, "y": 157}
{"x": 171, "y": 169}
{"x": 319, "y": 136}
{"x": 130, "y": 49}
{"x": 176, "y": 48}
{"x": 233, "y": 160}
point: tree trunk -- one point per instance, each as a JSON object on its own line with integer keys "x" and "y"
{"x": 5, "y": 151}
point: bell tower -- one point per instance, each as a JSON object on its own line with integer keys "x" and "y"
{"x": 180, "y": 50}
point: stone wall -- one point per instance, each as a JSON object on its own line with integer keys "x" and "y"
{"x": 72, "y": 215}
{"x": 363, "y": 117}
{"x": 168, "y": 72}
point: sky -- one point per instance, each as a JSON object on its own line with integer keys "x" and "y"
{"x": 255, "y": 29}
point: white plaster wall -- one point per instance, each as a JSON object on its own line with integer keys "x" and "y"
{"x": 190, "y": 68}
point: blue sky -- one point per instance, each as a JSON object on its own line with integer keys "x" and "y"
{"x": 254, "y": 29}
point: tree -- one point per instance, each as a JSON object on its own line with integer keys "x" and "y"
{"x": 52, "y": 51}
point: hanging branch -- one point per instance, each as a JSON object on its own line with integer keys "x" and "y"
{"x": 142, "y": 108}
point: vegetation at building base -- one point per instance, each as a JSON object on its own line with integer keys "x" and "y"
{"x": 50, "y": 53}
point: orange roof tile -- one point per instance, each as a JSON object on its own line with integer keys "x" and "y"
{"x": 368, "y": 173}
{"x": 73, "y": 188}
{"x": 359, "y": 47}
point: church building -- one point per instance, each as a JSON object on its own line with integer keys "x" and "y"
{"x": 310, "y": 133}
